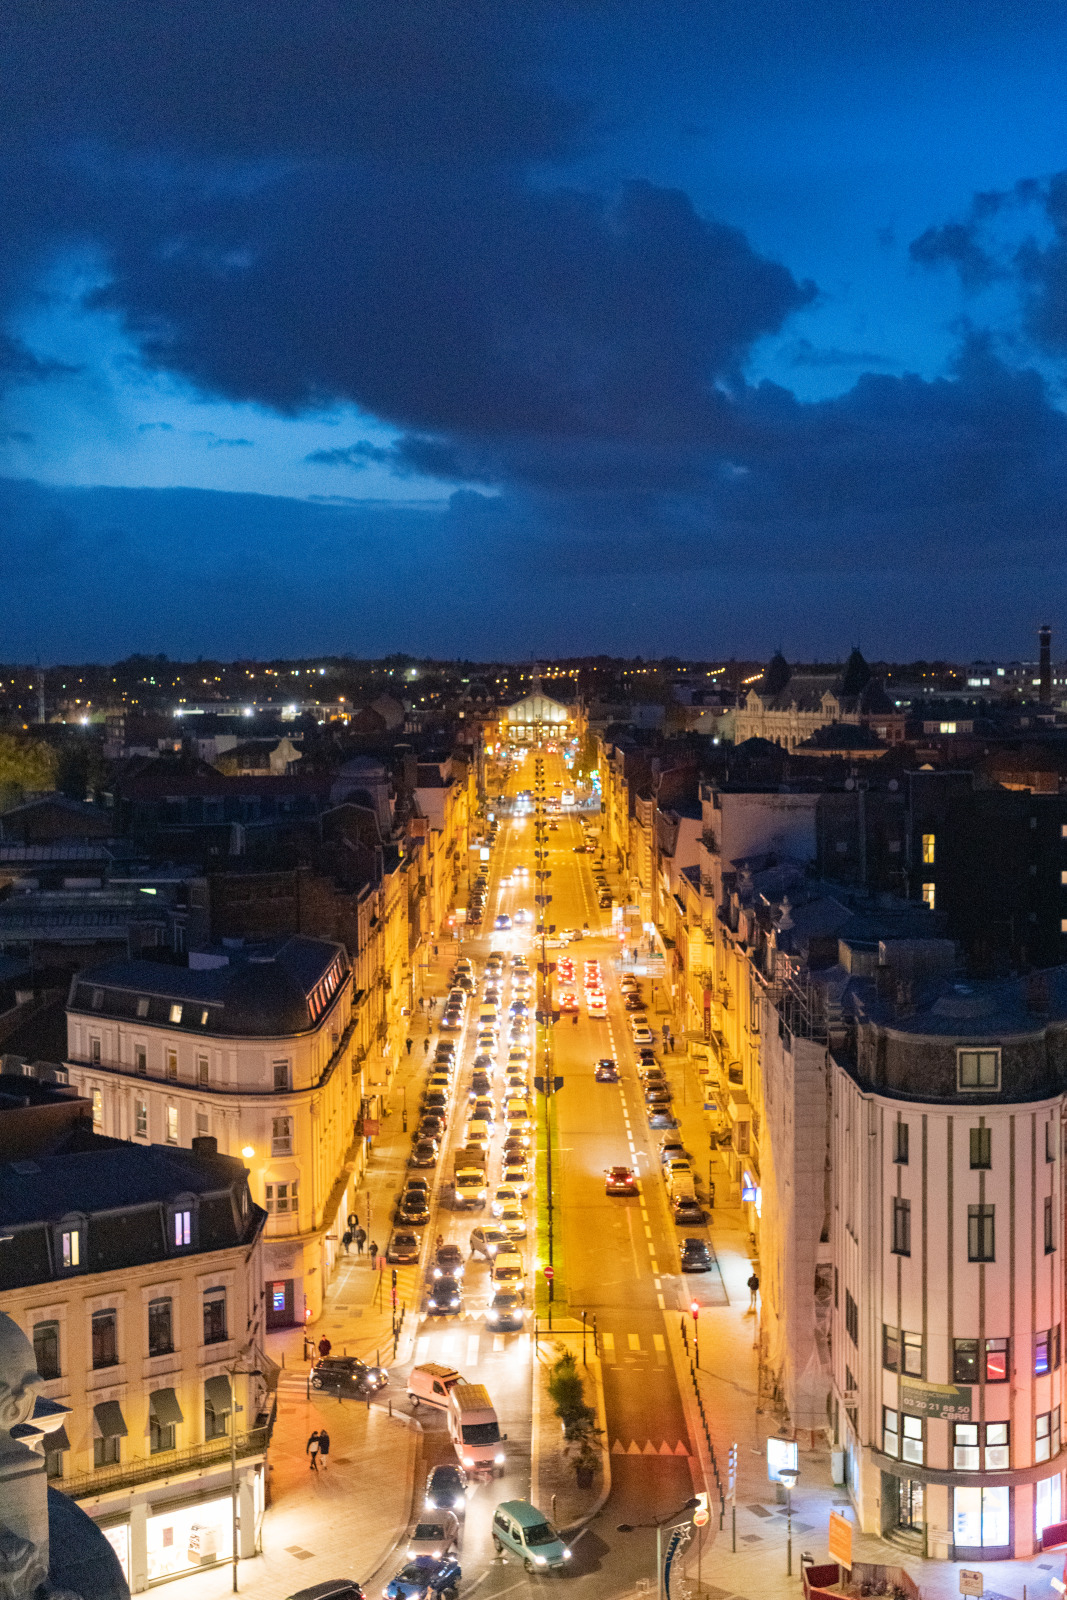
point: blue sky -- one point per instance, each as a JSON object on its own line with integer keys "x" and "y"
{"x": 685, "y": 328}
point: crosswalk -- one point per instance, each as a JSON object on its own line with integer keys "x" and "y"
{"x": 463, "y": 1348}
{"x": 634, "y": 1348}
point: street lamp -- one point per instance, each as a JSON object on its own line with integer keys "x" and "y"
{"x": 632, "y": 1527}
{"x": 235, "y": 1373}
{"x": 789, "y": 1476}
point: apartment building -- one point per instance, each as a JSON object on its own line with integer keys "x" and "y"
{"x": 253, "y": 1045}
{"x": 946, "y": 1153}
{"x": 135, "y": 1271}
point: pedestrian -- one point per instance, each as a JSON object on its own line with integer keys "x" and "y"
{"x": 346, "y": 1239}
{"x": 324, "y": 1447}
{"x": 324, "y": 1347}
{"x": 409, "y": 1042}
{"x": 422, "y": 1001}
{"x": 574, "y": 1019}
{"x": 361, "y": 1238}
{"x": 440, "y": 1241}
{"x": 426, "y": 1045}
{"x": 312, "y": 1449}
{"x": 435, "y": 952}
{"x": 372, "y": 1251}
{"x": 753, "y": 1291}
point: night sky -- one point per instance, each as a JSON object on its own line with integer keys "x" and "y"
{"x": 532, "y": 328}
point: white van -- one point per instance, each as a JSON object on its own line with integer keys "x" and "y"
{"x": 680, "y": 1186}
{"x": 474, "y": 1429}
{"x": 431, "y": 1385}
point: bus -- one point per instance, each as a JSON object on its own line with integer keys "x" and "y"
{"x": 567, "y": 797}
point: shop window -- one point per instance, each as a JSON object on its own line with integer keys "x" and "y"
{"x": 981, "y": 1239}
{"x": 105, "y": 1339}
{"x": 1047, "y": 1435}
{"x": 214, "y": 1316}
{"x": 981, "y": 1148}
{"x": 1046, "y": 1351}
{"x": 281, "y": 1138}
{"x": 160, "y": 1326}
{"x": 981, "y": 1518}
{"x": 900, "y": 1143}
{"x": 901, "y": 1227}
{"x": 46, "y": 1349}
{"x": 978, "y": 1070}
{"x": 1048, "y": 1498}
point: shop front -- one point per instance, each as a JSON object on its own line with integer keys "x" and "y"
{"x": 159, "y": 1537}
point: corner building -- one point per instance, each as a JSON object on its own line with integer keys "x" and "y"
{"x": 252, "y": 1045}
{"x": 946, "y": 1155}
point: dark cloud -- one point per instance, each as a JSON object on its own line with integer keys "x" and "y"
{"x": 358, "y": 456}
{"x": 803, "y": 353}
{"x": 958, "y": 245}
{"x": 19, "y": 364}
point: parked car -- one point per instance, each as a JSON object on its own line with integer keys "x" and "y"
{"x": 424, "y": 1153}
{"x": 696, "y": 1257}
{"x": 331, "y": 1589}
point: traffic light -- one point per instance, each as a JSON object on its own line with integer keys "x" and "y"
{"x": 694, "y": 1306}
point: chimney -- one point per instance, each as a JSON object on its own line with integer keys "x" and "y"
{"x": 1044, "y": 636}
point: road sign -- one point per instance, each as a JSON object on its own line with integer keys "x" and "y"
{"x": 781, "y": 1453}
{"x": 971, "y": 1582}
{"x": 700, "y": 1515}
{"x": 550, "y": 1273}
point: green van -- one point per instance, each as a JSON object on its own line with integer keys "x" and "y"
{"x": 526, "y": 1532}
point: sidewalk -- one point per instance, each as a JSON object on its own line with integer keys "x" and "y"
{"x": 728, "y": 1378}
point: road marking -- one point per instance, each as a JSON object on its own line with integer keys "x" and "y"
{"x": 648, "y": 1231}
{"x": 660, "y": 1302}
{"x": 473, "y": 1343}
{"x": 422, "y": 1348}
{"x": 634, "y": 1341}
{"x": 608, "y": 1341}
{"x": 498, "y": 1341}
{"x": 448, "y": 1344}
{"x": 658, "y": 1342}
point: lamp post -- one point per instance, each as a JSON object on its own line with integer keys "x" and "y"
{"x": 659, "y": 1525}
{"x": 235, "y": 1373}
{"x": 789, "y": 1476}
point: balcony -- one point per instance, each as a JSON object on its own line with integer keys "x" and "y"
{"x": 169, "y": 1463}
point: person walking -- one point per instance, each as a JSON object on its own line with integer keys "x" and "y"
{"x": 312, "y": 1450}
{"x": 753, "y": 1291}
{"x": 409, "y": 1041}
{"x": 324, "y": 1447}
{"x": 324, "y": 1348}
{"x": 361, "y": 1238}
{"x": 346, "y": 1239}
{"x": 426, "y": 1045}
{"x": 372, "y": 1251}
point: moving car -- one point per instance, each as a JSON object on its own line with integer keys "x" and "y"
{"x": 505, "y": 1196}
{"x": 620, "y": 1180}
{"x": 508, "y": 1269}
{"x": 606, "y": 1071}
{"x": 527, "y": 1533}
{"x": 434, "y": 1536}
{"x": 516, "y": 1175}
{"x": 506, "y": 1311}
{"x": 448, "y": 1261}
{"x": 487, "y": 1242}
{"x": 502, "y": 922}
{"x": 446, "y": 1296}
{"x": 513, "y": 1222}
{"x": 423, "y": 1577}
{"x": 332, "y": 1589}
{"x": 696, "y": 1257}
{"x": 445, "y": 1488}
{"x": 345, "y": 1375}
{"x": 598, "y": 1006}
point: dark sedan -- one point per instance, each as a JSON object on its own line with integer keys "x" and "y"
{"x": 425, "y": 1153}
{"x": 413, "y": 1208}
{"x": 696, "y": 1257}
{"x": 345, "y": 1375}
{"x": 606, "y": 1071}
{"x": 445, "y": 1298}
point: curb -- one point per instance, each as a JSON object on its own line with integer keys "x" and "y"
{"x": 605, "y": 1453}
{"x": 390, "y": 1549}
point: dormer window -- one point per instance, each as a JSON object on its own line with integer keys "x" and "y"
{"x": 70, "y": 1244}
{"x": 183, "y": 1229}
{"x": 98, "y": 1000}
{"x": 175, "y": 1013}
{"x": 142, "y": 1005}
{"x": 978, "y": 1071}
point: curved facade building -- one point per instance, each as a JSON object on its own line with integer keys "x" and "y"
{"x": 946, "y": 1230}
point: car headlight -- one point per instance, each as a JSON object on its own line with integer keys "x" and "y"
{"x": 459, "y": 1505}
{"x": 540, "y": 1560}
{"x": 433, "y": 1305}
{"x": 500, "y": 1459}
{"x": 455, "y": 1302}
{"x": 468, "y": 1461}
{"x": 566, "y": 1554}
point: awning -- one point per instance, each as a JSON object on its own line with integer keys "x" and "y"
{"x": 109, "y": 1420}
{"x": 57, "y": 1439}
{"x": 217, "y": 1395}
{"x": 164, "y": 1406}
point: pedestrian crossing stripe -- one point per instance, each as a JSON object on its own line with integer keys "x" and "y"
{"x": 649, "y": 1449}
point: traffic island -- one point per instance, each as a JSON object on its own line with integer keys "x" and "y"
{"x": 571, "y": 1466}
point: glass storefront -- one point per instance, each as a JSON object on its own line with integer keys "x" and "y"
{"x": 189, "y": 1537}
{"x": 981, "y": 1520}
{"x": 118, "y": 1537}
{"x": 910, "y": 1505}
{"x": 1047, "y": 1502}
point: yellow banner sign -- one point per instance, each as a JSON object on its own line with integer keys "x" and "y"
{"x": 840, "y": 1540}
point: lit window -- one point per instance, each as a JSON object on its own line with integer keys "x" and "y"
{"x": 929, "y": 849}
{"x": 912, "y": 1441}
{"x": 72, "y": 1252}
{"x": 172, "y": 1064}
{"x": 1046, "y": 1351}
{"x": 929, "y": 894}
{"x": 172, "y": 1124}
{"x": 281, "y": 1136}
{"x": 182, "y": 1228}
{"x": 140, "y": 1114}
{"x": 947, "y": 727}
{"x": 98, "y": 1108}
{"x": 175, "y": 1013}
{"x": 978, "y": 1069}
